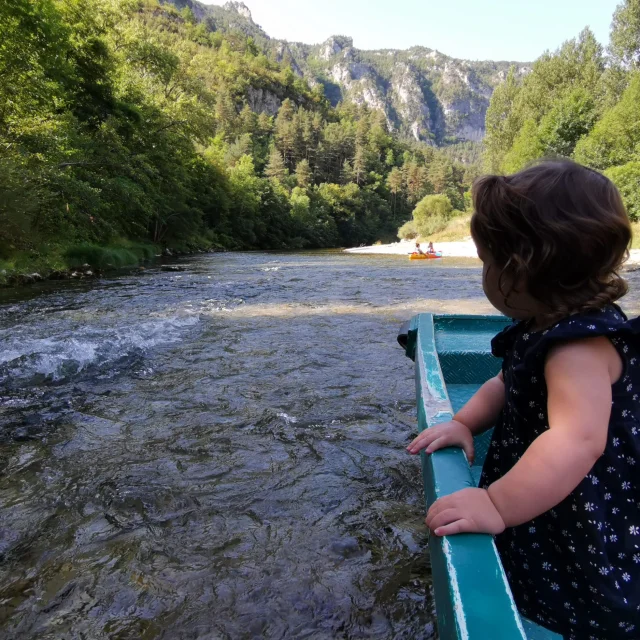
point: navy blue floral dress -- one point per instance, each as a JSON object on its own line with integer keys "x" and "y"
{"x": 576, "y": 568}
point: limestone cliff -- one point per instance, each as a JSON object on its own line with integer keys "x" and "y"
{"x": 423, "y": 93}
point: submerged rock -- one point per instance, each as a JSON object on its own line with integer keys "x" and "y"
{"x": 59, "y": 275}
{"x": 21, "y": 279}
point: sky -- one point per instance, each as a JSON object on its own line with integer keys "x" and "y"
{"x": 517, "y": 30}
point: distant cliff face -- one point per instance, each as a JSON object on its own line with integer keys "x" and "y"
{"x": 424, "y": 94}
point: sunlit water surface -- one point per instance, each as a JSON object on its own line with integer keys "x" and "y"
{"x": 218, "y": 453}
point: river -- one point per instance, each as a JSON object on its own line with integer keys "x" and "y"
{"x": 218, "y": 453}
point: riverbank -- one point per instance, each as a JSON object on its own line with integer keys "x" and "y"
{"x": 84, "y": 261}
{"x": 460, "y": 249}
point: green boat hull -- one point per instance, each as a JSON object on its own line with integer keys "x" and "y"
{"x": 452, "y": 360}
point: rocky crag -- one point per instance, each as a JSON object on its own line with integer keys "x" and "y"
{"x": 425, "y": 94}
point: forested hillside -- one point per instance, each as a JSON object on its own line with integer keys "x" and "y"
{"x": 425, "y": 94}
{"x": 127, "y": 126}
{"x": 582, "y": 102}
{"x": 128, "y": 121}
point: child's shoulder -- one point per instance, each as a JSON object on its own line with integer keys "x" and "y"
{"x": 583, "y": 361}
{"x": 610, "y": 322}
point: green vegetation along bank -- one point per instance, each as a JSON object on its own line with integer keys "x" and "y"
{"x": 580, "y": 102}
{"x": 129, "y": 127}
{"x": 128, "y": 123}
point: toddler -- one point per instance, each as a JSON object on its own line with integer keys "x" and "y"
{"x": 560, "y": 487}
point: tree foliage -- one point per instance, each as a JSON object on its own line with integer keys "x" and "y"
{"x": 408, "y": 231}
{"x": 625, "y": 33}
{"x": 432, "y": 214}
{"x": 131, "y": 120}
{"x": 560, "y": 85}
{"x": 627, "y": 179}
{"x": 575, "y": 103}
{"x": 615, "y": 138}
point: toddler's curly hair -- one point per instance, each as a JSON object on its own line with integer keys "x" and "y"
{"x": 558, "y": 229}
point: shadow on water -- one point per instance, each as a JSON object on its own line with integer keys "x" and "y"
{"x": 217, "y": 453}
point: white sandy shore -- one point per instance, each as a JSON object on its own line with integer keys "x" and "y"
{"x": 463, "y": 249}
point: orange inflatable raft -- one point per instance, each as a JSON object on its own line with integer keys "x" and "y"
{"x": 425, "y": 256}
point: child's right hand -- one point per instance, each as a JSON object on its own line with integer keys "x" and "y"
{"x": 447, "y": 434}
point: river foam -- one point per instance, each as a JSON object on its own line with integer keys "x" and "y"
{"x": 26, "y": 358}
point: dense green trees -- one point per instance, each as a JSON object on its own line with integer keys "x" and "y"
{"x": 615, "y": 138}
{"x": 550, "y": 110}
{"x": 431, "y": 214}
{"x": 579, "y": 103}
{"x": 129, "y": 120}
{"x": 625, "y": 33}
{"x": 627, "y": 179}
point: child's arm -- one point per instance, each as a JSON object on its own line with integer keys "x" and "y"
{"x": 483, "y": 409}
{"x": 478, "y": 415}
{"x": 579, "y": 378}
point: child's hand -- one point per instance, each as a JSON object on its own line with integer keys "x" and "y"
{"x": 447, "y": 434}
{"x": 466, "y": 511}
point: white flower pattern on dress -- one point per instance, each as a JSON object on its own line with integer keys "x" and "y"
{"x": 593, "y": 528}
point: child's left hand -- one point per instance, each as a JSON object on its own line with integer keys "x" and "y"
{"x": 466, "y": 511}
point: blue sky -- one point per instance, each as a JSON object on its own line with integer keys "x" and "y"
{"x": 476, "y": 29}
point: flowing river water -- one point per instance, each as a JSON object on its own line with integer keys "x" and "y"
{"x": 219, "y": 453}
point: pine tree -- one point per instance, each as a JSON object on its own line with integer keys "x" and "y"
{"x": 265, "y": 124}
{"x": 285, "y": 133}
{"x": 226, "y": 115}
{"x": 346, "y": 175}
{"x": 395, "y": 182}
{"x": 362, "y": 132}
{"x": 248, "y": 120}
{"x": 303, "y": 174}
{"x": 359, "y": 165}
{"x": 379, "y": 120}
{"x": 275, "y": 168}
{"x": 416, "y": 181}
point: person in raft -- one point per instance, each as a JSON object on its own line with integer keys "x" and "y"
{"x": 418, "y": 249}
{"x": 560, "y": 488}
{"x": 430, "y": 248}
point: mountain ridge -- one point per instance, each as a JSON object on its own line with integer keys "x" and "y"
{"x": 425, "y": 94}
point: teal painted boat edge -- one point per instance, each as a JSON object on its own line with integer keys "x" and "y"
{"x": 536, "y": 632}
{"x": 473, "y": 597}
{"x": 412, "y": 334}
